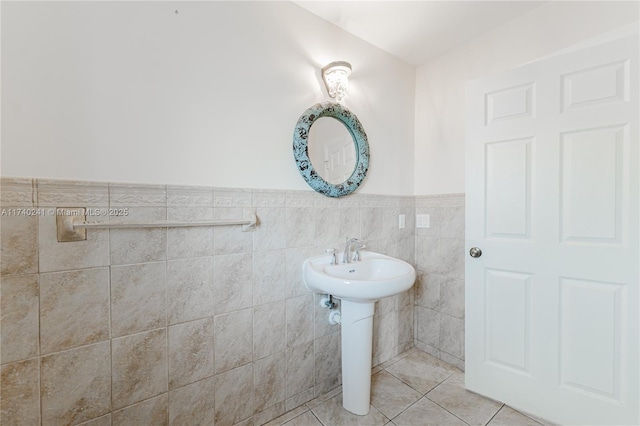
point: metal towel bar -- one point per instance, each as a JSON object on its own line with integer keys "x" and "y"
{"x": 74, "y": 228}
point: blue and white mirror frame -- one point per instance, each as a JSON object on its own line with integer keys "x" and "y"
{"x": 301, "y": 149}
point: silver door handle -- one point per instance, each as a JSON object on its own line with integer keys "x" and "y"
{"x": 475, "y": 252}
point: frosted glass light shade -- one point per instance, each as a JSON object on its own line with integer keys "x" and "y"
{"x": 336, "y": 78}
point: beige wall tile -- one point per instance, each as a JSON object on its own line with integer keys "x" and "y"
{"x": 329, "y": 385}
{"x": 268, "y": 329}
{"x": 70, "y": 193}
{"x": 233, "y": 397}
{"x": 268, "y": 276}
{"x": 128, "y": 246}
{"x": 427, "y": 289}
{"x": 300, "y": 369}
{"x": 268, "y": 381}
{"x": 326, "y": 231}
{"x": 230, "y": 239}
{"x": 270, "y": 234}
{"x": 299, "y": 399}
{"x": 452, "y": 336}
{"x": 185, "y": 203}
{"x": 450, "y": 258}
{"x": 74, "y": 308}
{"x": 17, "y": 192}
{"x": 233, "y": 337}
{"x": 193, "y": 405}
{"x": 20, "y": 393}
{"x": 427, "y": 257}
{"x": 55, "y": 256}
{"x": 190, "y": 290}
{"x": 300, "y": 319}
{"x": 154, "y": 411}
{"x": 259, "y": 297}
{"x": 406, "y": 326}
{"x": 19, "y": 249}
{"x": 300, "y": 230}
{"x": 76, "y": 385}
{"x": 183, "y": 196}
{"x": 270, "y": 413}
{"x": 328, "y": 357}
{"x": 190, "y": 242}
{"x": 293, "y": 270}
{"x": 428, "y": 326}
{"x": 385, "y": 335}
{"x": 137, "y": 195}
{"x": 137, "y": 245}
{"x": 440, "y": 259}
{"x": 139, "y": 367}
{"x": 370, "y": 223}
{"x": 452, "y": 292}
{"x": 269, "y": 198}
{"x": 19, "y": 306}
{"x": 452, "y": 222}
{"x": 233, "y": 282}
{"x": 228, "y": 197}
{"x": 143, "y": 203}
{"x": 348, "y": 225}
{"x": 138, "y": 298}
{"x": 190, "y": 352}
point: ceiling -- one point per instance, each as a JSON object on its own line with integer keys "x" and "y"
{"x": 418, "y": 31}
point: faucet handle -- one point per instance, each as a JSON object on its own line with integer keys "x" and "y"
{"x": 334, "y": 257}
{"x": 356, "y": 253}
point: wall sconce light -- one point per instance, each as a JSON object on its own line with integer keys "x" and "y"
{"x": 336, "y": 78}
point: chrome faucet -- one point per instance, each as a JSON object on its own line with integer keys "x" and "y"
{"x": 346, "y": 256}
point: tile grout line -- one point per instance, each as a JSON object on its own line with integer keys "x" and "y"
{"x": 495, "y": 414}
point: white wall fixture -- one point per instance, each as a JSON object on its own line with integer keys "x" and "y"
{"x": 336, "y": 78}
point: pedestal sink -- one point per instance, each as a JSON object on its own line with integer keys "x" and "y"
{"x": 358, "y": 285}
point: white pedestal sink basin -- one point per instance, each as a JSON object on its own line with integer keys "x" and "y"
{"x": 358, "y": 285}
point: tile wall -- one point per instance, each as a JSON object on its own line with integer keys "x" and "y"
{"x": 439, "y": 288}
{"x": 180, "y": 326}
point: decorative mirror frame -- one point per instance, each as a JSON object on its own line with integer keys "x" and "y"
{"x": 301, "y": 149}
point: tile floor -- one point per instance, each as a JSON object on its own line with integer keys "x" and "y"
{"x": 413, "y": 388}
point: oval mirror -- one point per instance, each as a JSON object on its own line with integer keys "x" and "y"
{"x": 331, "y": 149}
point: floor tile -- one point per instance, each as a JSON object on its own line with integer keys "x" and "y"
{"x": 398, "y": 393}
{"x": 507, "y": 416}
{"x": 427, "y": 413}
{"x": 331, "y": 413}
{"x": 390, "y": 395}
{"x": 468, "y": 406}
{"x": 418, "y": 373}
{"x": 305, "y": 419}
{"x": 279, "y": 421}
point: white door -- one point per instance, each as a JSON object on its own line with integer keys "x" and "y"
{"x": 552, "y": 188}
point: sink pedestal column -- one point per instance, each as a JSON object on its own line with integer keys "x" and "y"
{"x": 357, "y": 337}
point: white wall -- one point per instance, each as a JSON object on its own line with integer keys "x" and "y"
{"x": 135, "y": 92}
{"x": 440, "y": 84}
